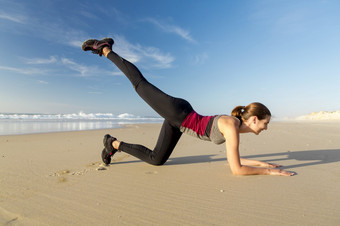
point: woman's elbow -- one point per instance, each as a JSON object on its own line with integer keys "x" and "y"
{"x": 237, "y": 171}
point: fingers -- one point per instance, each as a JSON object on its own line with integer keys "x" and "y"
{"x": 273, "y": 165}
{"x": 280, "y": 172}
{"x": 287, "y": 173}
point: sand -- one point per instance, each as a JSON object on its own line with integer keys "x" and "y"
{"x": 58, "y": 179}
{"x": 321, "y": 116}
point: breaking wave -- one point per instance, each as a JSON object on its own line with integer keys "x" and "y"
{"x": 22, "y": 123}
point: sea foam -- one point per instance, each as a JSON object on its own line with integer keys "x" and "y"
{"x": 71, "y": 116}
{"x": 23, "y": 123}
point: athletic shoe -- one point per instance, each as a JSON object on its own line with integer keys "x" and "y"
{"x": 97, "y": 46}
{"x": 109, "y": 150}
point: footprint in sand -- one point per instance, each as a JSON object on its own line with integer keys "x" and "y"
{"x": 79, "y": 173}
{"x": 151, "y": 172}
{"x": 61, "y": 174}
{"x": 62, "y": 179}
{"x": 101, "y": 166}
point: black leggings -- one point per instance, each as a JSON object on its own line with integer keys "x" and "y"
{"x": 173, "y": 110}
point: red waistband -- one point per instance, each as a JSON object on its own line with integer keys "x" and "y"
{"x": 196, "y": 122}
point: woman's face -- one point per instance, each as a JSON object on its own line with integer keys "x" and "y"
{"x": 259, "y": 125}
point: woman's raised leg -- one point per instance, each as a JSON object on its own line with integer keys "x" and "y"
{"x": 172, "y": 109}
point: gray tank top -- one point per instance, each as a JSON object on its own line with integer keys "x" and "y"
{"x": 215, "y": 135}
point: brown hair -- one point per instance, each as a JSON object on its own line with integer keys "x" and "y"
{"x": 253, "y": 109}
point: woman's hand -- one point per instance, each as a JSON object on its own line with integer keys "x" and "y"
{"x": 229, "y": 127}
{"x": 270, "y": 165}
{"x": 280, "y": 172}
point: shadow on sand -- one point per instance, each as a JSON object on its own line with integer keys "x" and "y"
{"x": 183, "y": 160}
{"x": 308, "y": 157}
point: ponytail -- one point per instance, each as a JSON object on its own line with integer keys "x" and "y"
{"x": 237, "y": 112}
{"x": 254, "y": 109}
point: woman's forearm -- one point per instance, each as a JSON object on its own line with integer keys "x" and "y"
{"x": 250, "y": 162}
{"x": 249, "y": 170}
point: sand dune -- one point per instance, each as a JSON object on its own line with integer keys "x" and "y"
{"x": 322, "y": 115}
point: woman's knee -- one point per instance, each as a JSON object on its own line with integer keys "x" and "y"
{"x": 158, "y": 162}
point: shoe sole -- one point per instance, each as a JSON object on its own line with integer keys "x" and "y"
{"x": 84, "y": 45}
{"x": 107, "y": 161}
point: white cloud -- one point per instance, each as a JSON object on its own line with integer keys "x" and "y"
{"x": 50, "y": 60}
{"x": 116, "y": 73}
{"x": 26, "y": 71}
{"x": 201, "y": 58}
{"x": 163, "y": 60}
{"x": 65, "y": 62}
{"x": 12, "y": 17}
{"x": 94, "y": 92}
{"x": 75, "y": 43}
{"x": 149, "y": 56}
{"x": 126, "y": 49}
{"x": 42, "y": 82}
{"x": 59, "y": 32}
{"x": 70, "y": 64}
{"x": 172, "y": 29}
{"x": 87, "y": 71}
{"x": 83, "y": 70}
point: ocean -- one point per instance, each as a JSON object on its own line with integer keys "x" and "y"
{"x": 20, "y": 123}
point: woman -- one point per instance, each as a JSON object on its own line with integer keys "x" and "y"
{"x": 179, "y": 117}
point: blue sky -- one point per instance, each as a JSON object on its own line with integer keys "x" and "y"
{"x": 216, "y": 54}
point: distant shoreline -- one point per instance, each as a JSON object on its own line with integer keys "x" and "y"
{"x": 20, "y": 127}
{"x": 36, "y": 123}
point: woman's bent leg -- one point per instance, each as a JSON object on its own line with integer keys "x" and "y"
{"x": 166, "y": 143}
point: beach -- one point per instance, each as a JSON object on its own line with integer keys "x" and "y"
{"x": 59, "y": 179}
